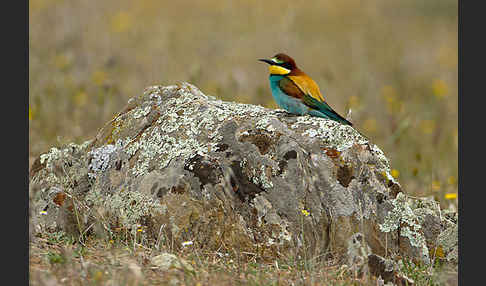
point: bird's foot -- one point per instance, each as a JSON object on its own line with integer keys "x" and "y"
{"x": 284, "y": 112}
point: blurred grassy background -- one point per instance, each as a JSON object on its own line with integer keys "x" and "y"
{"x": 395, "y": 63}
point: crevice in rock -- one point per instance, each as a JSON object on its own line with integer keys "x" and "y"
{"x": 244, "y": 188}
{"x": 292, "y": 154}
{"x": 345, "y": 175}
{"x": 203, "y": 170}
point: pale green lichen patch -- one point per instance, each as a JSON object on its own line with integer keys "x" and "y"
{"x": 124, "y": 207}
{"x": 55, "y": 154}
{"x": 385, "y": 165}
{"x": 334, "y": 134}
{"x": 265, "y": 123}
{"x": 141, "y": 111}
{"x": 57, "y": 164}
{"x": 427, "y": 204}
{"x": 448, "y": 240}
{"x": 260, "y": 178}
{"x": 48, "y": 158}
{"x": 403, "y": 216}
{"x": 227, "y": 110}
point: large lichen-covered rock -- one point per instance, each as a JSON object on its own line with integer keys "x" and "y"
{"x": 177, "y": 165}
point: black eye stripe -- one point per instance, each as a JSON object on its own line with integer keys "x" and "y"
{"x": 286, "y": 65}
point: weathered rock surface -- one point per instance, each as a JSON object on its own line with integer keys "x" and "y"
{"x": 388, "y": 270}
{"x": 182, "y": 166}
{"x": 166, "y": 261}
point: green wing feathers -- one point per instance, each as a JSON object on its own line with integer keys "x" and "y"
{"x": 324, "y": 108}
{"x": 290, "y": 88}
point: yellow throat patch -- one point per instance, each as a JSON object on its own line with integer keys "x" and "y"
{"x": 278, "y": 70}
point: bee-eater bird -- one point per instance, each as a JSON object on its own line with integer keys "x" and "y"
{"x": 296, "y": 92}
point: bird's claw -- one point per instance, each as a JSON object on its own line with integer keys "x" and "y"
{"x": 284, "y": 112}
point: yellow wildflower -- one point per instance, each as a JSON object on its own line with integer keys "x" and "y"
{"x": 305, "y": 212}
{"x": 395, "y": 173}
{"x": 98, "y": 275}
{"x": 439, "y": 88}
{"x": 451, "y": 196}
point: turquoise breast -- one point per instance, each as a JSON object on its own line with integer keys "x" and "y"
{"x": 290, "y": 104}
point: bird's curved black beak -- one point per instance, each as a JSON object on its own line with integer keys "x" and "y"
{"x": 267, "y": 61}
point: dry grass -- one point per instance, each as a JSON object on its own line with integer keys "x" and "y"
{"x": 58, "y": 260}
{"x": 393, "y": 62}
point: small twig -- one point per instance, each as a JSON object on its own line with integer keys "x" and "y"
{"x": 386, "y": 244}
{"x": 157, "y": 244}
{"x": 86, "y": 230}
